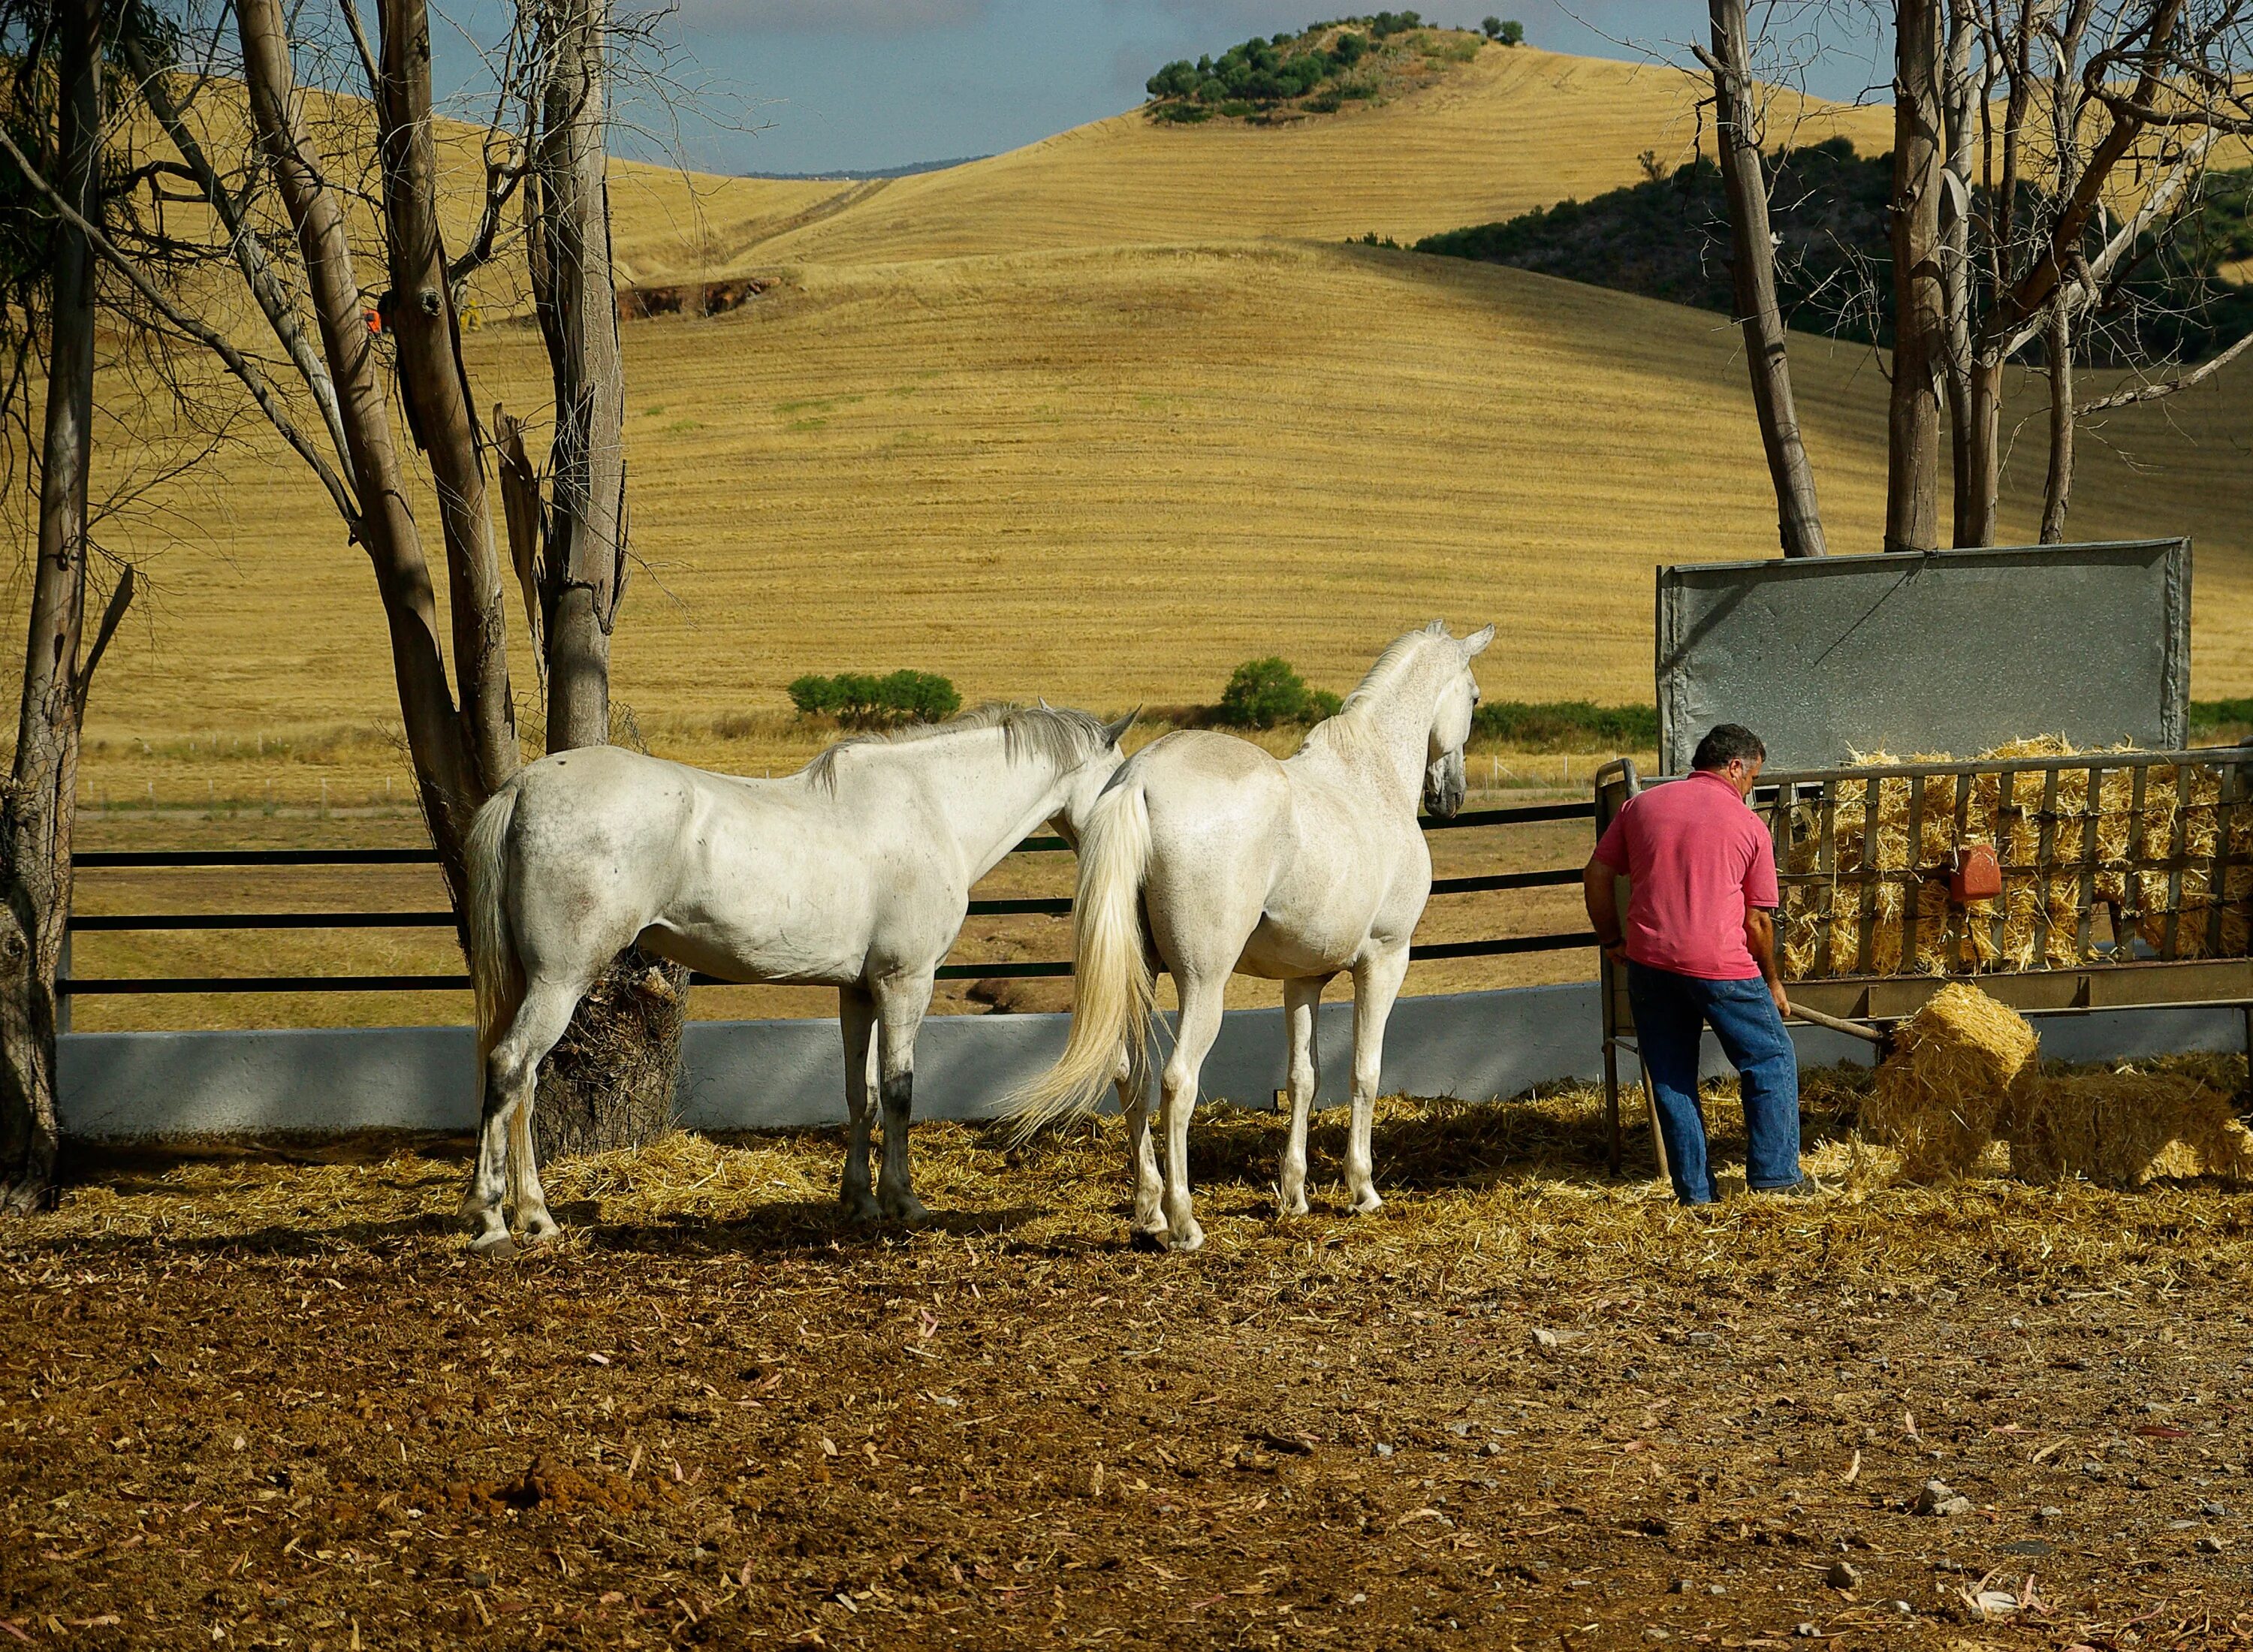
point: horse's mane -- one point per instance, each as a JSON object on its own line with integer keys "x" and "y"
{"x": 1381, "y": 675}
{"x": 1057, "y": 733}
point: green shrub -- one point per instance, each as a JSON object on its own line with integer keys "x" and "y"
{"x": 1347, "y": 50}
{"x": 1324, "y": 102}
{"x": 1188, "y": 114}
{"x": 1566, "y": 725}
{"x": 2211, "y": 717}
{"x": 860, "y": 699}
{"x": 1263, "y": 692}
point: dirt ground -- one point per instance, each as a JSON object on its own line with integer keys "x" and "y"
{"x": 261, "y": 1399}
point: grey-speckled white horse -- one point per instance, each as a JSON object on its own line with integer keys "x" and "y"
{"x": 1208, "y": 857}
{"x": 854, "y": 872}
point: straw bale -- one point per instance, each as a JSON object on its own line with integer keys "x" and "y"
{"x": 1944, "y": 1093}
{"x": 2125, "y": 1129}
{"x": 2042, "y": 903}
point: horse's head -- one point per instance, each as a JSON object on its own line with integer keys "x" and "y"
{"x": 1444, "y": 781}
{"x": 1087, "y": 780}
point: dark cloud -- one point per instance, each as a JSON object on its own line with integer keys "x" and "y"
{"x": 834, "y": 17}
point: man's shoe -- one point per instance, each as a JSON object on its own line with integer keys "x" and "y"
{"x": 1805, "y": 1188}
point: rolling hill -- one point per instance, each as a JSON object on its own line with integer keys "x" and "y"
{"x": 1100, "y": 417}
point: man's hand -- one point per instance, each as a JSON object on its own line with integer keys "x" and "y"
{"x": 1599, "y": 894}
{"x": 1760, "y": 941}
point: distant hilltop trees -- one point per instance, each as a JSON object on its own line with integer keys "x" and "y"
{"x": 1318, "y": 70}
{"x": 1667, "y": 238}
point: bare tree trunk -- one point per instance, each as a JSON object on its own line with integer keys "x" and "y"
{"x": 1920, "y": 292}
{"x": 434, "y": 386}
{"x": 613, "y": 1081}
{"x": 1985, "y": 460}
{"x": 37, "y": 810}
{"x": 448, "y": 780}
{"x": 1960, "y": 96}
{"x": 1799, "y": 519}
{"x": 2057, "y": 488}
{"x": 579, "y": 316}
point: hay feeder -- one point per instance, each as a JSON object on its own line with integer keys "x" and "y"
{"x": 2060, "y": 880}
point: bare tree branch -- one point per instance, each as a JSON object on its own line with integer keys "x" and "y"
{"x": 249, "y": 254}
{"x": 240, "y": 365}
{"x": 2155, "y": 392}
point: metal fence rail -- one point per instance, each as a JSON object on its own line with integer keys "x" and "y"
{"x": 1045, "y": 906}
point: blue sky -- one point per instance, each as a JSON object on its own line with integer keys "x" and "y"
{"x": 798, "y": 85}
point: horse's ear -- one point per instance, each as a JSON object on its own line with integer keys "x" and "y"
{"x": 1437, "y": 628}
{"x": 1042, "y": 700}
{"x": 1115, "y": 732}
{"x": 1475, "y": 645}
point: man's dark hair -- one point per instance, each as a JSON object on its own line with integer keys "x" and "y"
{"x": 1724, "y": 743}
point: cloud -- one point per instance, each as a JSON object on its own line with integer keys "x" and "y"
{"x": 835, "y": 16}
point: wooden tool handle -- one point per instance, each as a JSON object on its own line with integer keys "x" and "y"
{"x": 1853, "y": 1029}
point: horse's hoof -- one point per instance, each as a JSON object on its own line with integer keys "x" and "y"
{"x": 1366, "y": 1203}
{"x": 1190, "y": 1238}
{"x": 862, "y": 1209}
{"x": 1292, "y": 1204}
{"x": 498, "y": 1246}
{"x": 907, "y": 1208}
{"x": 1147, "y": 1238}
{"x": 542, "y": 1233}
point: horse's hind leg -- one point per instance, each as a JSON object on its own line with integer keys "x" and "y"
{"x": 900, "y": 1007}
{"x": 1301, "y": 1001}
{"x": 856, "y": 1019}
{"x": 1376, "y": 984}
{"x": 512, "y": 1070}
{"x": 1141, "y": 1150}
{"x": 1197, "y": 1026}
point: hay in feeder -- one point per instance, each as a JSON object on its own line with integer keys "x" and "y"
{"x": 2124, "y": 865}
{"x": 1944, "y": 1093}
{"x": 2124, "y": 1129}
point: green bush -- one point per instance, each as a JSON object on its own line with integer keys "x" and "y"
{"x": 1263, "y": 692}
{"x": 1324, "y": 102}
{"x": 860, "y": 699}
{"x": 2211, "y": 717}
{"x": 1507, "y": 33}
{"x": 1566, "y": 725}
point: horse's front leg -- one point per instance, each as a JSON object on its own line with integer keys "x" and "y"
{"x": 856, "y": 1018}
{"x": 900, "y": 1007}
{"x": 1376, "y": 984}
{"x": 1301, "y": 1000}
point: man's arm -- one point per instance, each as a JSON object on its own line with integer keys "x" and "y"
{"x": 1600, "y": 889}
{"x": 1760, "y": 941}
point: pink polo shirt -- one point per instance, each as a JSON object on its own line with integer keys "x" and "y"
{"x": 1696, "y": 858}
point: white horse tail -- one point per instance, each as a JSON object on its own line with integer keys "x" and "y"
{"x": 1113, "y": 991}
{"x": 494, "y": 969}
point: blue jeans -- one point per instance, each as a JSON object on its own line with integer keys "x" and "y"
{"x": 1671, "y": 1011}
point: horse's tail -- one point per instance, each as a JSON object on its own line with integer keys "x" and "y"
{"x": 1113, "y": 991}
{"x": 494, "y": 969}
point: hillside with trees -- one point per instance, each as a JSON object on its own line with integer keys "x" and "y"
{"x": 1667, "y": 238}
{"x": 1319, "y": 70}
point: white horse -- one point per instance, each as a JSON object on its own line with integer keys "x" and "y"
{"x": 854, "y": 872}
{"x": 1208, "y": 857}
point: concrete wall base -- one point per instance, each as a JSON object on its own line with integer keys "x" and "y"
{"x": 766, "y": 1075}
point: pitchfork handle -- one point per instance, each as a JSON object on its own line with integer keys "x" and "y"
{"x": 1853, "y": 1029}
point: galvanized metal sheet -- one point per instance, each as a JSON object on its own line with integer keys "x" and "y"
{"x": 1951, "y": 652}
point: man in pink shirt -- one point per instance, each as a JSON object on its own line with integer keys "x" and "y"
{"x": 1699, "y": 943}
